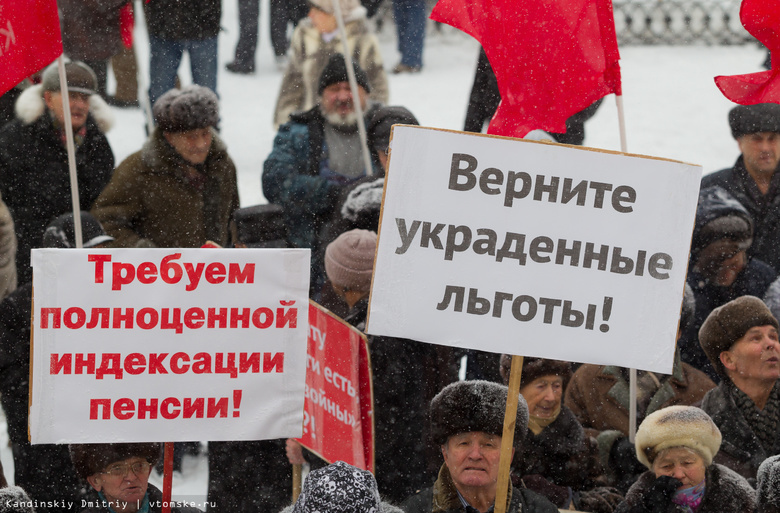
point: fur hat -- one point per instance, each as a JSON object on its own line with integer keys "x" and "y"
{"x": 89, "y": 459}
{"x": 30, "y": 106}
{"x": 61, "y": 233}
{"x": 336, "y": 488}
{"x": 347, "y": 6}
{"x": 719, "y": 216}
{"x": 15, "y": 500}
{"x": 768, "y": 484}
{"x": 534, "y": 368}
{"x": 336, "y": 71}
{"x": 749, "y": 119}
{"x": 189, "y": 108}
{"x": 381, "y": 121}
{"x": 677, "y": 426}
{"x": 79, "y": 76}
{"x": 688, "y": 310}
{"x": 466, "y": 406}
{"x": 349, "y": 260}
{"x": 728, "y": 323}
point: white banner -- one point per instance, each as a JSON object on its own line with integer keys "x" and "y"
{"x": 164, "y": 345}
{"x": 533, "y": 249}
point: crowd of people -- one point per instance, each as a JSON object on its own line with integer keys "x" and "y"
{"x": 709, "y": 433}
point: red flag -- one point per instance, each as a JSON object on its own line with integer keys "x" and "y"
{"x": 29, "y": 39}
{"x": 762, "y": 19}
{"x": 552, "y": 58}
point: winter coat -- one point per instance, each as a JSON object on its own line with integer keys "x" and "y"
{"x": 177, "y": 20}
{"x": 7, "y": 251}
{"x": 95, "y": 504}
{"x": 90, "y": 28}
{"x": 149, "y": 202}
{"x": 725, "y": 492}
{"x": 766, "y": 218}
{"x": 740, "y": 449}
{"x": 442, "y": 497}
{"x": 309, "y": 54}
{"x": 34, "y": 175}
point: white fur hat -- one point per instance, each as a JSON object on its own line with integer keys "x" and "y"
{"x": 677, "y": 426}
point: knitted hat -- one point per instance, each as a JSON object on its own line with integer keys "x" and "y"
{"x": 336, "y": 488}
{"x": 466, "y": 406}
{"x": 347, "y": 6}
{"x": 89, "y": 459}
{"x": 728, "y": 323}
{"x": 349, "y": 260}
{"x": 79, "y": 76}
{"x": 336, "y": 71}
{"x": 189, "y": 108}
{"x": 61, "y": 233}
{"x": 381, "y": 121}
{"x": 15, "y": 500}
{"x": 749, "y": 119}
{"x": 677, "y": 426}
{"x": 719, "y": 216}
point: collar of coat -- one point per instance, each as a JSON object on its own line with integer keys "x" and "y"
{"x": 445, "y": 495}
{"x": 30, "y": 106}
{"x": 620, "y": 390}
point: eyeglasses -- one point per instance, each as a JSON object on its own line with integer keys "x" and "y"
{"x": 121, "y": 470}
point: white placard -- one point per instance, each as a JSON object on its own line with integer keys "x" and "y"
{"x": 533, "y": 249}
{"x": 163, "y": 345}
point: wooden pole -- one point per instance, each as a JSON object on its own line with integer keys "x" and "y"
{"x": 621, "y": 123}
{"x": 167, "y": 477}
{"x": 507, "y": 440}
{"x": 296, "y": 484}
{"x": 71, "y": 147}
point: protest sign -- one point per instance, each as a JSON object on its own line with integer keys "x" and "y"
{"x": 188, "y": 344}
{"x": 533, "y": 249}
{"x": 338, "y": 408}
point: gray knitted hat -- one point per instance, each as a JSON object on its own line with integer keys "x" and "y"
{"x": 677, "y": 426}
{"x": 349, "y": 260}
{"x": 189, "y": 108}
{"x": 749, "y": 119}
{"x": 79, "y": 76}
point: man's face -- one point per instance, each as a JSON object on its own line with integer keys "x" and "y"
{"x": 123, "y": 481}
{"x": 472, "y": 459}
{"x": 192, "y": 145}
{"x": 755, "y": 357}
{"x": 337, "y": 105}
{"x": 760, "y": 151}
{"x": 79, "y": 107}
{"x": 722, "y": 261}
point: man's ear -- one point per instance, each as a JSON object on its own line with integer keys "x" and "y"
{"x": 727, "y": 359}
{"x": 95, "y": 482}
{"x": 47, "y": 98}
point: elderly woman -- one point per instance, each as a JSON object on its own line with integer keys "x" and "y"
{"x": 558, "y": 459}
{"x": 677, "y": 444}
{"x": 119, "y": 476}
{"x": 467, "y": 421}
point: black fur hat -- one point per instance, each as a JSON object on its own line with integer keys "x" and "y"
{"x": 89, "y": 459}
{"x": 466, "y": 406}
{"x": 336, "y": 71}
{"x": 750, "y": 119}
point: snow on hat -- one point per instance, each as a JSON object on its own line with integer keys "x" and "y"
{"x": 347, "y": 6}
{"x": 467, "y": 406}
{"x": 89, "y": 459}
{"x": 719, "y": 216}
{"x": 349, "y": 260}
{"x": 61, "y": 233}
{"x": 80, "y": 78}
{"x": 750, "y": 119}
{"x": 381, "y": 121}
{"x": 336, "y": 71}
{"x": 728, "y": 323}
{"x": 339, "y": 487}
{"x": 677, "y": 426}
{"x": 189, "y": 108}
{"x": 768, "y": 484}
{"x": 15, "y": 500}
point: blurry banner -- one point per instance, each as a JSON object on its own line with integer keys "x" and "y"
{"x": 30, "y": 39}
{"x": 762, "y": 19}
{"x": 338, "y": 409}
{"x": 146, "y": 345}
{"x": 533, "y": 249}
{"x": 552, "y": 59}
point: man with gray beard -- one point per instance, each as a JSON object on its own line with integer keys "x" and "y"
{"x": 315, "y": 155}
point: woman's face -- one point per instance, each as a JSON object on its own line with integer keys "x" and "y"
{"x": 680, "y": 463}
{"x": 543, "y": 395}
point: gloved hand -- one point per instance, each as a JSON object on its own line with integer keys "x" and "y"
{"x": 602, "y": 499}
{"x": 659, "y": 496}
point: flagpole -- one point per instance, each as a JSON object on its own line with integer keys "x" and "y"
{"x": 621, "y": 123}
{"x": 71, "y": 147}
{"x": 353, "y": 89}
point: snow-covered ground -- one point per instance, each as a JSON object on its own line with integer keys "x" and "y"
{"x": 672, "y": 108}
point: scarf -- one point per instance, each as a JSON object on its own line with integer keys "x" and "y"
{"x": 690, "y": 498}
{"x": 537, "y": 424}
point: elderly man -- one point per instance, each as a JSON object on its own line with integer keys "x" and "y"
{"x": 740, "y": 339}
{"x": 753, "y": 179}
{"x": 315, "y": 155}
{"x": 180, "y": 190}
{"x": 34, "y": 175}
{"x": 467, "y": 422}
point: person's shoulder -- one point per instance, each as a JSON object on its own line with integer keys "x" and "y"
{"x": 715, "y": 401}
{"x": 722, "y": 178}
{"x": 421, "y": 502}
{"x": 532, "y": 502}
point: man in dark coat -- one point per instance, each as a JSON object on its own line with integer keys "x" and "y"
{"x": 34, "y": 175}
{"x": 753, "y": 179}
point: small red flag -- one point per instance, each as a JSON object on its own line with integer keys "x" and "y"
{"x": 30, "y": 39}
{"x": 762, "y": 19}
{"x": 552, "y": 58}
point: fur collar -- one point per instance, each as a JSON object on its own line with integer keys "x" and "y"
{"x": 30, "y": 106}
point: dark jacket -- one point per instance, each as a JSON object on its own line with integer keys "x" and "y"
{"x": 726, "y": 492}
{"x": 90, "y": 28}
{"x": 95, "y": 505}
{"x": 740, "y": 449}
{"x": 150, "y": 203}
{"x": 34, "y": 176}
{"x": 765, "y": 215}
{"x": 442, "y": 497}
{"x": 178, "y": 20}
